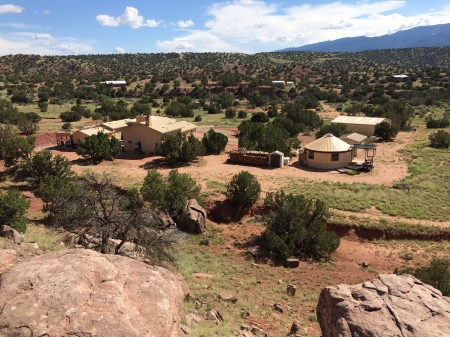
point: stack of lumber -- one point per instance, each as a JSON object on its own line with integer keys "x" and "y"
{"x": 253, "y": 158}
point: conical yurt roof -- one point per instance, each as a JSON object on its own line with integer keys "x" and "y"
{"x": 328, "y": 143}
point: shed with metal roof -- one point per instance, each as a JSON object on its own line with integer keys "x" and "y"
{"x": 360, "y": 123}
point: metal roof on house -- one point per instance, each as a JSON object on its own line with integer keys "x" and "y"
{"x": 163, "y": 124}
{"x": 94, "y": 131}
{"x": 358, "y": 120}
{"x": 357, "y": 137}
{"x": 122, "y": 123}
{"x": 328, "y": 143}
{"x": 168, "y": 124}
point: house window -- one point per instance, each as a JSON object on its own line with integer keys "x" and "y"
{"x": 310, "y": 154}
{"x": 335, "y": 157}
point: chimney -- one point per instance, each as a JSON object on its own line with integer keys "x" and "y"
{"x": 148, "y": 121}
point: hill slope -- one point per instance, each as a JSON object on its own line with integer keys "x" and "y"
{"x": 425, "y": 36}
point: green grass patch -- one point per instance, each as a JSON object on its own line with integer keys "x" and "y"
{"x": 47, "y": 239}
{"x": 216, "y": 186}
{"x": 215, "y": 119}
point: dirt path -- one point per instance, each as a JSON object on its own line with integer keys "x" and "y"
{"x": 375, "y": 215}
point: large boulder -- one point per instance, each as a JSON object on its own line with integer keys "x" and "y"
{"x": 193, "y": 218}
{"x": 7, "y": 258}
{"x": 83, "y": 293}
{"x": 390, "y": 305}
{"x": 10, "y": 233}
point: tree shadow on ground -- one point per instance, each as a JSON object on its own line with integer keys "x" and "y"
{"x": 225, "y": 212}
{"x": 161, "y": 163}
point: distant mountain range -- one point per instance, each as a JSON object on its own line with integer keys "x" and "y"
{"x": 425, "y": 36}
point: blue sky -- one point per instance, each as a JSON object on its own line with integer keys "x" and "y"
{"x": 60, "y": 27}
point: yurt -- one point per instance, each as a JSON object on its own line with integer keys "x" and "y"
{"x": 328, "y": 152}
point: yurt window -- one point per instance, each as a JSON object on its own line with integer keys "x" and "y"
{"x": 335, "y": 156}
{"x": 311, "y": 154}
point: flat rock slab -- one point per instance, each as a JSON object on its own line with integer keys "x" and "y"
{"x": 389, "y": 306}
{"x": 84, "y": 293}
{"x": 7, "y": 258}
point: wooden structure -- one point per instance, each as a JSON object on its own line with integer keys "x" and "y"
{"x": 254, "y": 158}
{"x": 62, "y": 137}
{"x": 369, "y": 158}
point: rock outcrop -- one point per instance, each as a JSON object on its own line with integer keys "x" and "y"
{"x": 390, "y": 305}
{"x": 193, "y": 218}
{"x": 7, "y": 258}
{"x": 83, "y": 293}
{"x": 10, "y": 233}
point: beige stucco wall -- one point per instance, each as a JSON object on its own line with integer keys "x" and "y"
{"x": 140, "y": 133}
{"x": 361, "y": 128}
{"x": 322, "y": 160}
{"x": 78, "y": 135}
{"x": 148, "y": 137}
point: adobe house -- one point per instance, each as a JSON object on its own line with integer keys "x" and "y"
{"x": 143, "y": 133}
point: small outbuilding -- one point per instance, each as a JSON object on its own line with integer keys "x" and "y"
{"x": 116, "y": 83}
{"x": 354, "y": 138}
{"x": 276, "y": 159}
{"x": 279, "y": 83}
{"x": 328, "y": 152}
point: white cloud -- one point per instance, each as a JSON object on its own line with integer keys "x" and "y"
{"x": 338, "y": 25}
{"x": 46, "y": 12}
{"x": 256, "y": 25}
{"x": 260, "y": 24}
{"x": 203, "y": 41}
{"x": 152, "y": 23}
{"x": 42, "y": 44}
{"x": 185, "y": 45}
{"x": 129, "y": 18}
{"x": 185, "y": 24}
{"x": 17, "y": 25}
{"x": 119, "y": 50}
{"x": 106, "y": 20}
{"x": 209, "y": 24}
{"x": 41, "y": 36}
{"x": 9, "y": 8}
{"x": 262, "y": 39}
